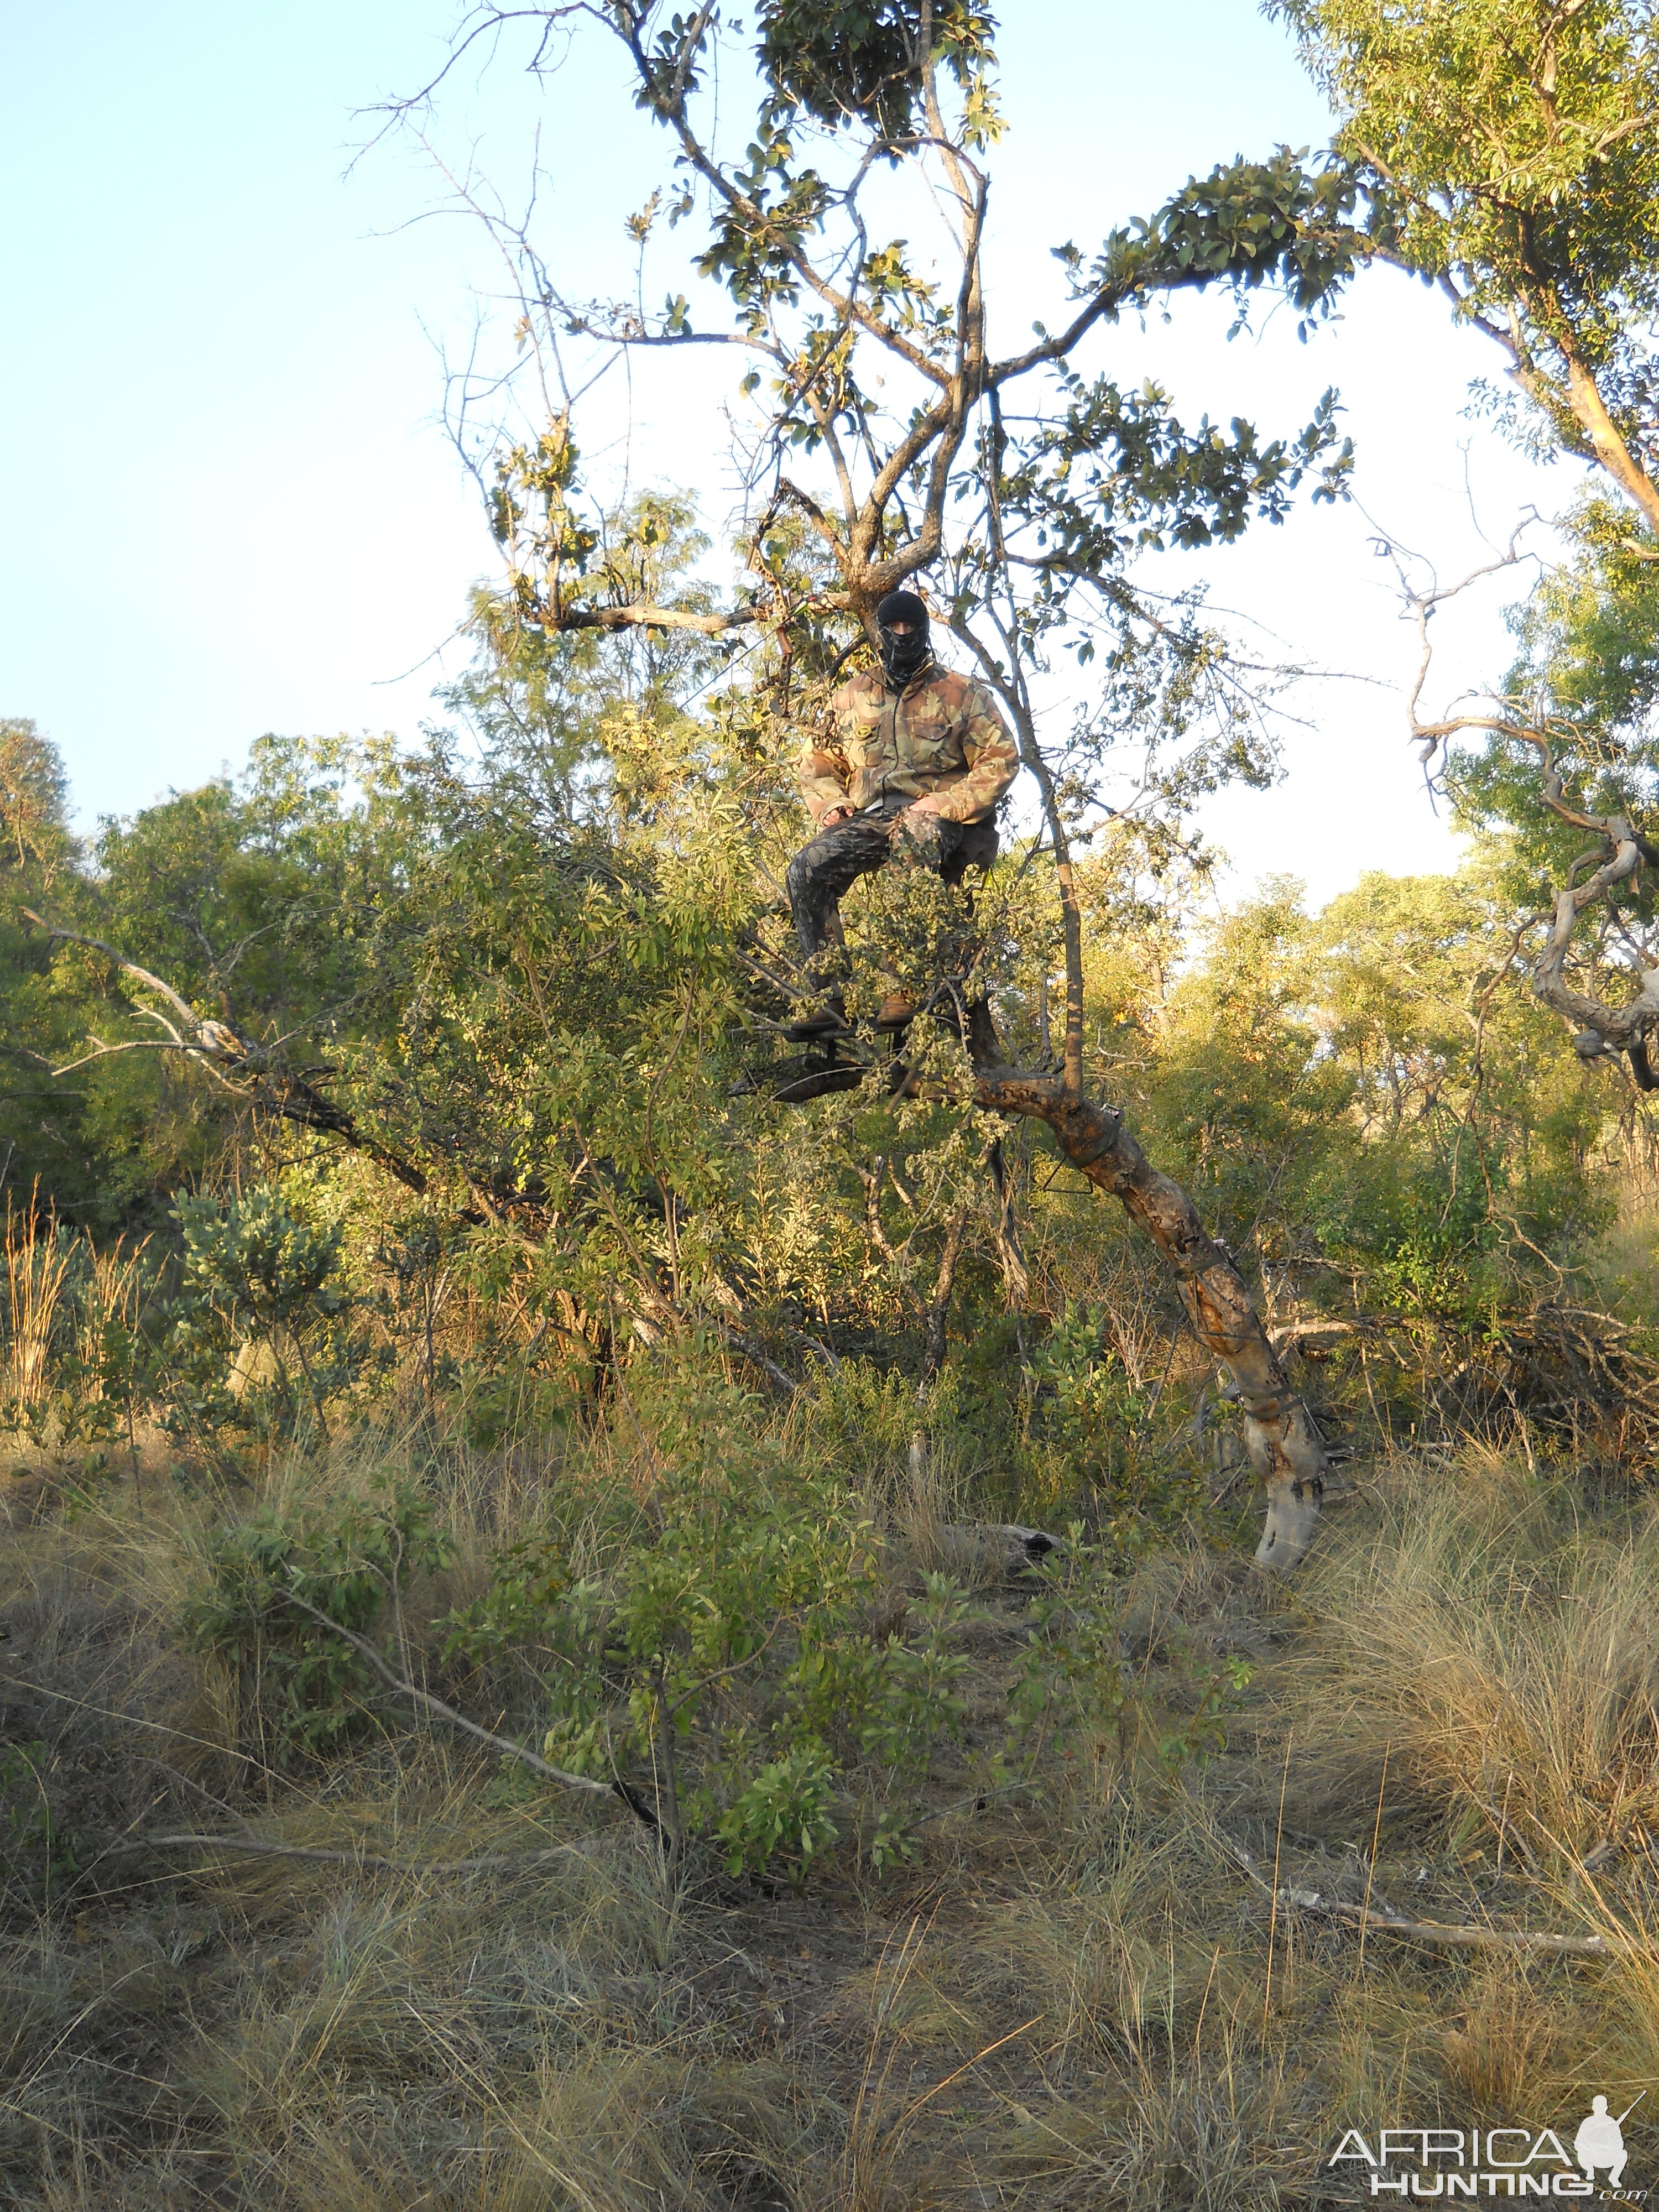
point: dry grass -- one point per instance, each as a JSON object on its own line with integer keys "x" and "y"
{"x": 37, "y": 1268}
{"x": 1076, "y": 2001}
{"x": 43, "y": 1310}
{"x": 1498, "y": 1640}
{"x": 1504, "y": 2042}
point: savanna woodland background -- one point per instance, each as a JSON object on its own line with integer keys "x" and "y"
{"x": 601, "y": 1612}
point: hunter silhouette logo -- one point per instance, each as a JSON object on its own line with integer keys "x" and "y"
{"x": 1453, "y": 2162}
{"x": 1600, "y": 2142}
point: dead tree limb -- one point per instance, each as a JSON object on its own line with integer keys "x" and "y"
{"x": 508, "y": 1747}
{"x": 234, "y": 1061}
{"x": 1381, "y": 1919}
{"x": 375, "y": 1861}
{"x": 1617, "y": 853}
{"x": 1285, "y": 1448}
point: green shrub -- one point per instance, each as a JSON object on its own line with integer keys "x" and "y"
{"x": 257, "y": 1278}
{"x": 302, "y": 1690}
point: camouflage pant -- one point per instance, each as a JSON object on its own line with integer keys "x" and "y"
{"x": 822, "y": 873}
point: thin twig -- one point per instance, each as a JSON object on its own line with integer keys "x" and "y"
{"x": 1376, "y": 1830}
{"x": 1273, "y": 1918}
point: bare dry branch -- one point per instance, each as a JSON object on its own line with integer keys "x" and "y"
{"x": 1620, "y": 850}
{"x": 261, "y": 1847}
{"x": 1384, "y": 1921}
{"x": 508, "y": 1747}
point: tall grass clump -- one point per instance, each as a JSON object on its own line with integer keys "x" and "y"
{"x": 1496, "y": 1636}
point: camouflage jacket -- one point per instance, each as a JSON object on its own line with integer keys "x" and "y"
{"x": 942, "y": 734}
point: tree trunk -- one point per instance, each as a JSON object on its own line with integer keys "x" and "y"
{"x": 1285, "y": 1447}
{"x": 1610, "y": 449}
{"x": 939, "y": 1310}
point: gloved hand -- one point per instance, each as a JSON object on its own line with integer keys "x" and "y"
{"x": 923, "y": 832}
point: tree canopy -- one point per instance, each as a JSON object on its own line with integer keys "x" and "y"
{"x": 531, "y": 981}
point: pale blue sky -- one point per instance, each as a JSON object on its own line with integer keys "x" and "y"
{"x": 228, "y": 507}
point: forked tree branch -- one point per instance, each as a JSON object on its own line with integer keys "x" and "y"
{"x": 894, "y": 526}
{"x": 235, "y": 1062}
{"x": 1600, "y": 1028}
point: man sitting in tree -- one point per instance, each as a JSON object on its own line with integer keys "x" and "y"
{"x": 918, "y": 760}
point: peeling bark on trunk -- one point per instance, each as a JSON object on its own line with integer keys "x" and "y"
{"x": 1285, "y": 1448}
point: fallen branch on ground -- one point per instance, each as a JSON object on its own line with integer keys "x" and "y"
{"x": 1608, "y": 1848}
{"x": 1447, "y": 1935}
{"x": 979, "y": 1799}
{"x": 1381, "y": 1918}
{"x": 507, "y": 1746}
{"x": 258, "y": 1847}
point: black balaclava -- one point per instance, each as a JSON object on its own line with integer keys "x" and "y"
{"x": 901, "y": 658}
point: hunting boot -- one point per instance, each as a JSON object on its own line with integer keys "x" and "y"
{"x": 827, "y": 1018}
